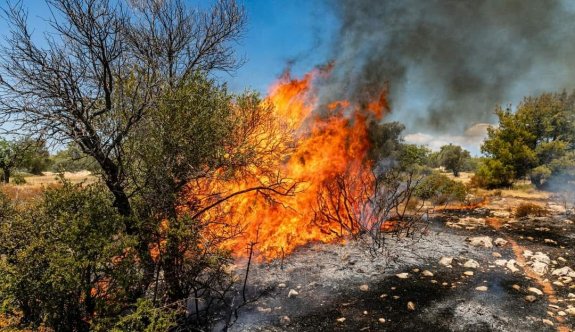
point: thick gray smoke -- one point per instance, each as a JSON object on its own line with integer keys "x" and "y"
{"x": 449, "y": 62}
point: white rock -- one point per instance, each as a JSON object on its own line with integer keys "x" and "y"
{"x": 571, "y": 295}
{"x": 541, "y": 257}
{"x": 547, "y": 322}
{"x": 549, "y": 241}
{"x": 480, "y": 241}
{"x": 539, "y": 267}
{"x": 500, "y": 262}
{"x": 500, "y": 242}
{"x": 381, "y": 320}
{"x": 535, "y": 290}
{"x": 264, "y": 310}
{"x": 282, "y": 285}
{"x": 364, "y": 288}
{"x": 410, "y": 306}
{"x": 341, "y": 319}
{"x": 561, "y": 259}
{"x": 564, "y": 271}
{"x": 511, "y": 266}
{"x": 285, "y": 320}
{"x": 292, "y": 293}
{"x": 565, "y": 280}
{"x": 496, "y": 255}
{"x": 427, "y": 273}
{"x": 481, "y": 288}
{"x": 527, "y": 253}
{"x": 570, "y": 311}
{"x": 516, "y": 287}
{"x": 471, "y": 264}
{"x": 468, "y": 273}
{"x": 403, "y": 275}
{"x": 446, "y": 261}
{"x": 530, "y": 298}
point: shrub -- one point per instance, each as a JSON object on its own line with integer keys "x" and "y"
{"x": 440, "y": 189}
{"x": 18, "y": 179}
{"x": 530, "y": 209}
{"x": 492, "y": 174}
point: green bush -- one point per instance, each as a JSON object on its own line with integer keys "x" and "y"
{"x": 439, "y": 189}
{"x": 18, "y": 179}
{"x": 65, "y": 258}
{"x": 492, "y": 174}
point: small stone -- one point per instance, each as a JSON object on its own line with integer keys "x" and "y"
{"x": 539, "y": 267}
{"x": 410, "y": 306}
{"x": 564, "y": 271}
{"x": 471, "y": 264}
{"x": 549, "y": 241}
{"x": 561, "y": 259}
{"x": 282, "y": 285}
{"x": 562, "y": 313}
{"x": 530, "y": 298}
{"x": 264, "y": 310}
{"x": 365, "y": 312}
{"x": 415, "y": 270}
{"x": 481, "y": 288}
{"x": 565, "y": 280}
{"x": 496, "y": 255}
{"x": 501, "y": 262}
{"x": 383, "y": 296}
{"x": 571, "y": 295}
{"x": 547, "y": 322}
{"x": 558, "y": 283}
{"x": 364, "y": 288}
{"x": 535, "y": 290}
{"x": 395, "y": 297}
{"x": 570, "y": 311}
{"x": 381, "y": 320}
{"x": 433, "y": 281}
{"x": 500, "y": 242}
{"x": 446, "y": 261}
{"x": 285, "y": 320}
{"x": 427, "y": 273}
{"x": 404, "y": 275}
{"x": 444, "y": 284}
{"x": 341, "y": 320}
{"x": 468, "y": 273}
{"x": 292, "y": 293}
{"x": 480, "y": 241}
{"x": 516, "y": 287}
{"x": 511, "y": 265}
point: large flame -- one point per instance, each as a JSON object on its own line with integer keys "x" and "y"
{"x": 319, "y": 155}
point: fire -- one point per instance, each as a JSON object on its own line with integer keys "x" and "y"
{"x": 316, "y": 147}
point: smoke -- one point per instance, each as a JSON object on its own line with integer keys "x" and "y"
{"x": 450, "y": 62}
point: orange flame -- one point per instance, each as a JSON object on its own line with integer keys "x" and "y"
{"x": 324, "y": 143}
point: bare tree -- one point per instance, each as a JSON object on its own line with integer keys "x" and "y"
{"x": 98, "y": 72}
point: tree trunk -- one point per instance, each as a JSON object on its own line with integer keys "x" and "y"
{"x": 6, "y": 176}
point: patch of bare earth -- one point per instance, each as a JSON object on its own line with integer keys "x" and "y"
{"x": 477, "y": 269}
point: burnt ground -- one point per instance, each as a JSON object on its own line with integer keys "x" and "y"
{"x": 344, "y": 281}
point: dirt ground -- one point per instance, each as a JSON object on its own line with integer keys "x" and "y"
{"x": 521, "y": 281}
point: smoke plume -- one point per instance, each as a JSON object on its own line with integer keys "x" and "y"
{"x": 449, "y": 62}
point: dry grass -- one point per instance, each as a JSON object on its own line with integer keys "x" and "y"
{"x": 530, "y": 209}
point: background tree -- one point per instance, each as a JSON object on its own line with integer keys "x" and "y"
{"x": 453, "y": 158}
{"x": 24, "y": 153}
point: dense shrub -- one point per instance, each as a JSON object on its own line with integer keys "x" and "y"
{"x": 439, "y": 189}
{"x": 492, "y": 173}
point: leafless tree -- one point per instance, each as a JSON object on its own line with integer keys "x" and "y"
{"x": 98, "y": 72}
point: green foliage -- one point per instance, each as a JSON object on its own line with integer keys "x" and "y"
{"x": 385, "y": 140}
{"x": 492, "y": 173}
{"x": 18, "y": 179}
{"x": 66, "y": 258}
{"x": 72, "y": 159}
{"x": 440, "y": 189}
{"x": 413, "y": 155}
{"x": 536, "y": 141}
{"x": 453, "y": 158}
{"x": 145, "y": 318}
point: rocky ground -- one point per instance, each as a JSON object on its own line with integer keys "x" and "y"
{"x": 478, "y": 269}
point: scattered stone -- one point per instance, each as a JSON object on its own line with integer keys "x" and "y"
{"x": 292, "y": 293}
{"x": 468, "y": 273}
{"x": 433, "y": 281}
{"x": 527, "y": 253}
{"x": 565, "y": 280}
{"x": 364, "y": 288}
{"x": 500, "y": 262}
{"x": 530, "y": 298}
{"x": 500, "y": 242}
{"x": 341, "y": 320}
{"x": 516, "y": 287}
{"x": 547, "y": 322}
{"x": 571, "y": 295}
{"x": 264, "y": 310}
{"x": 427, "y": 273}
{"x": 404, "y": 275}
{"x": 564, "y": 271}
{"x": 570, "y": 311}
{"x": 496, "y": 254}
{"x": 444, "y": 284}
{"x": 285, "y": 320}
{"x": 365, "y": 312}
{"x": 381, "y": 320}
{"x": 558, "y": 283}
{"x": 562, "y": 313}
{"x": 553, "y": 306}
{"x": 480, "y": 241}
{"x": 561, "y": 259}
{"x": 410, "y": 306}
{"x": 446, "y": 261}
{"x": 511, "y": 266}
{"x": 383, "y": 296}
{"x": 396, "y": 297}
{"x": 535, "y": 290}
{"x": 471, "y": 264}
{"x": 415, "y": 270}
{"x": 539, "y": 268}
{"x": 549, "y": 241}
{"x": 481, "y": 288}
{"x": 282, "y": 285}
{"x": 501, "y": 214}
